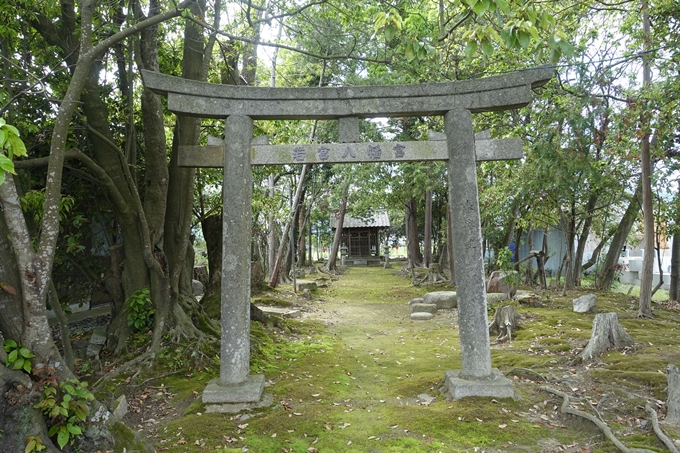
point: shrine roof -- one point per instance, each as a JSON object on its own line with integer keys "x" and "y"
{"x": 376, "y": 220}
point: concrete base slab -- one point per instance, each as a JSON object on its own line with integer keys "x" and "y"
{"x": 495, "y": 386}
{"x": 234, "y": 408}
{"x": 249, "y": 391}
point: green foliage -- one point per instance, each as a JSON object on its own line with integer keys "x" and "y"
{"x": 33, "y": 200}
{"x": 18, "y": 358}
{"x": 68, "y": 407}
{"x": 139, "y": 308}
{"x": 34, "y": 443}
{"x": 10, "y": 145}
{"x": 505, "y": 264}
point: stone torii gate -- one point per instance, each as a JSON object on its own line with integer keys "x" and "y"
{"x": 456, "y": 101}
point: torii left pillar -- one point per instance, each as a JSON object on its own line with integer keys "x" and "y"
{"x": 236, "y": 385}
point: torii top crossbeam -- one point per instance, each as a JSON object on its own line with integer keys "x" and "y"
{"x": 208, "y": 100}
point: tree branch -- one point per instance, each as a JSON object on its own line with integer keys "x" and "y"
{"x": 286, "y": 47}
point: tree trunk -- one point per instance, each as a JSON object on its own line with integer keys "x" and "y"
{"x": 278, "y": 263}
{"x": 339, "y": 220}
{"x": 673, "y": 401}
{"x": 659, "y": 262}
{"x": 415, "y": 258}
{"x": 607, "y": 334}
{"x": 675, "y": 267}
{"x": 529, "y": 279}
{"x": 427, "y": 241}
{"x": 11, "y": 294}
{"x": 302, "y": 236}
{"x": 609, "y": 269}
{"x": 449, "y": 247}
{"x": 583, "y": 239}
{"x": 36, "y": 265}
{"x": 646, "y": 277}
{"x": 212, "y": 233}
{"x": 596, "y": 254}
{"x": 271, "y": 235}
{"x": 62, "y": 322}
{"x": 510, "y": 229}
{"x": 569, "y": 277}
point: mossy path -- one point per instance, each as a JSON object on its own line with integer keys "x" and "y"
{"x": 359, "y": 376}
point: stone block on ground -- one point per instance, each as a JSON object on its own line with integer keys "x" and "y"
{"x": 421, "y": 316}
{"x": 443, "y": 299}
{"x": 282, "y": 312}
{"x": 529, "y": 300}
{"x": 98, "y": 336}
{"x": 424, "y": 308}
{"x": 585, "y": 304}
{"x": 417, "y": 300}
{"x": 299, "y": 273}
{"x": 498, "y": 283}
{"x": 120, "y": 408}
{"x": 93, "y": 350}
{"x": 306, "y": 284}
{"x": 492, "y": 298}
{"x": 197, "y": 288}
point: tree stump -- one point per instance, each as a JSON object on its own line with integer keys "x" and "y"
{"x": 673, "y": 401}
{"x": 201, "y": 274}
{"x": 607, "y": 334}
{"x": 505, "y": 321}
{"x": 434, "y": 273}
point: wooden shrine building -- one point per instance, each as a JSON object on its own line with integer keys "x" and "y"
{"x": 360, "y": 241}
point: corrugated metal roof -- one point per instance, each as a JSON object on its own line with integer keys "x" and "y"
{"x": 378, "y": 219}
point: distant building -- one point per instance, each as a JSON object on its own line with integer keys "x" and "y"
{"x": 360, "y": 240}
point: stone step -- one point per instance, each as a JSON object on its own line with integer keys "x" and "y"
{"x": 281, "y": 312}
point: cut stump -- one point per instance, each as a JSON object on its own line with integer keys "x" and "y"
{"x": 607, "y": 334}
{"x": 673, "y": 401}
{"x": 505, "y": 321}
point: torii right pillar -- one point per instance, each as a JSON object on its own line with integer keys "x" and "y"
{"x": 477, "y": 377}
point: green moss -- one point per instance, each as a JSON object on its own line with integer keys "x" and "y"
{"x": 351, "y": 381}
{"x": 126, "y": 439}
{"x": 632, "y": 379}
{"x": 212, "y": 305}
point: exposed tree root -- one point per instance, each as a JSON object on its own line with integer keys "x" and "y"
{"x": 651, "y": 413}
{"x": 520, "y": 371}
{"x": 124, "y": 368}
{"x": 606, "y": 431}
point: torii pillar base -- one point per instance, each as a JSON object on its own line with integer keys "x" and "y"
{"x": 249, "y": 391}
{"x": 457, "y": 386}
